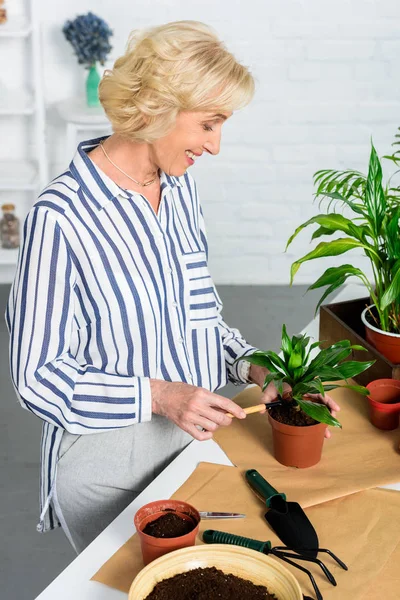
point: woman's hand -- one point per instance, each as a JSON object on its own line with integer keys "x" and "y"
{"x": 330, "y": 403}
{"x": 192, "y": 407}
{"x": 257, "y": 374}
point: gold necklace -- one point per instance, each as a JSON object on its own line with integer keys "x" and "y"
{"x": 123, "y": 172}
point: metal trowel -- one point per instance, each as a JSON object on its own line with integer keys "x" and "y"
{"x": 287, "y": 519}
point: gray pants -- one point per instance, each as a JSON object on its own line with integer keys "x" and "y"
{"x": 98, "y": 475}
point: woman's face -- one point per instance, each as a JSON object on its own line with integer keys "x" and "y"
{"x": 195, "y": 132}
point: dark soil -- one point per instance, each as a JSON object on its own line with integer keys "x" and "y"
{"x": 289, "y": 415}
{"x": 208, "y": 584}
{"x": 170, "y": 525}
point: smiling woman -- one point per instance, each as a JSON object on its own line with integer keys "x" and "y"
{"x": 118, "y": 341}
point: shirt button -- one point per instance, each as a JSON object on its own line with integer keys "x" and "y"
{"x": 181, "y": 340}
{"x": 169, "y": 270}
{"x": 189, "y": 376}
{"x": 174, "y": 304}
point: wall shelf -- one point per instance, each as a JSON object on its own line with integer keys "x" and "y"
{"x": 25, "y": 177}
{"x": 18, "y": 27}
{"x": 16, "y": 102}
{"x": 18, "y": 175}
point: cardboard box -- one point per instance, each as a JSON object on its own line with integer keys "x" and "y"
{"x": 342, "y": 321}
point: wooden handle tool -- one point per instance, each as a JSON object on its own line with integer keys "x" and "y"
{"x": 259, "y": 407}
{"x": 250, "y": 409}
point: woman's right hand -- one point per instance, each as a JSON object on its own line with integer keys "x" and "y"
{"x": 193, "y": 408}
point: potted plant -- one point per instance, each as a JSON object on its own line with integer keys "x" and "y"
{"x": 299, "y": 424}
{"x": 89, "y": 36}
{"x": 372, "y": 226}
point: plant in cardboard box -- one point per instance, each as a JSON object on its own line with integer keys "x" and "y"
{"x": 372, "y": 226}
{"x": 299, "y": 422}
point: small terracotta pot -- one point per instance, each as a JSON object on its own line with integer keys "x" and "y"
{"x": 296, "y": 446}
{"x": 384, "y": 410}
{"x": 153, "y": 547}
{"x": 388, "y": 344}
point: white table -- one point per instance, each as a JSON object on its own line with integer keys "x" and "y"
{"x": 74, "y": 581}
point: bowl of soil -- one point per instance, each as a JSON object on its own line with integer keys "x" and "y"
{"x": 164, "y": 526}
{"x": 217, "y": 571}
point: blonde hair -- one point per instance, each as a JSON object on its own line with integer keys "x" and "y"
{"x": 179, "y": 66}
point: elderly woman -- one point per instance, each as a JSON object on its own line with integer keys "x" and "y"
{"x": 117, "y": 338}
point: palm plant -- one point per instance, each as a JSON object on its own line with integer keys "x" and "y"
{"x": 373, "y": 227}
{"x": 307, "y": 372}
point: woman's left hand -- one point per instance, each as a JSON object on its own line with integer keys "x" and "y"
{"x": 330, "y": 403}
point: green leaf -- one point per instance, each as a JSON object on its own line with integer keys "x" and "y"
{"x": 320, "y": 232}
{"x": 286, "y": 344}
{"x": 327, "y": 373}
{"x": 295, "y": 361}
{"x": 330, "y": 222}
{"x": 258, "y": 358}
{"x": 298, "y": 373}
{"x": 360, "y": 389}
{"x": 338, "y": 358}
{"x": 279, "y": 386}
{"x": 337, "y": 282}
{"x": 277, "y": 362}
{"x": 319, "y": 412}
{"x": 357, "y": 347}
{"x": 270, "y": 377}
{"x": 310, "y": 387}
{"x": 351, "y": 368}
{"x": 332, "y": 273}
{"x": 328, "y": 356}
{"x": 311, "y": 348}
{"x": 392, "y": 294}
{"x": 391, "y": 233}
{"x": 374, "y": 194}
{"x": 334, "y": 248}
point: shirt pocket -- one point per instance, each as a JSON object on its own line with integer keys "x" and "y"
{"x": 200, "y": 296}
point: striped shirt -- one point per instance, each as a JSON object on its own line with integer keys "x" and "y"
{"x": 108, "y": 294}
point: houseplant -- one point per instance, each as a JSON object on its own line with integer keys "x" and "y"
{"x": 372, "y": 226}
{"x": 299, "y": 424}
{"x": 89, "y": 36}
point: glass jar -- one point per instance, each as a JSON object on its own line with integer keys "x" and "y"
{"x": 9, "y": 227}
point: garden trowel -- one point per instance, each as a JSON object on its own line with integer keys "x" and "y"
{"x": 287, "y": 519}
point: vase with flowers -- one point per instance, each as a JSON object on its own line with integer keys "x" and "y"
{"x": 89, "y": 36}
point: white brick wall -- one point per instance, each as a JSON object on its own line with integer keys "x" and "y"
{"x": 327, "y": 77}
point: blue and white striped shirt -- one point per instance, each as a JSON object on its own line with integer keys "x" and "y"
{"x": 107, "y": 295}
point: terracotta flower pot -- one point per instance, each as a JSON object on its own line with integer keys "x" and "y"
{"x": 153, "y": 547}
{"x": 384, "y": 402}
{"x": 388, "y": 344}
{"x": 296, "y": 446}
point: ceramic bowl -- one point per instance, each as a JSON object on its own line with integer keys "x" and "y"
{"x": 242, "y": 562}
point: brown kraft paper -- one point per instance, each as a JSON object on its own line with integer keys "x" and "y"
{"x": 363, "y": 529}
